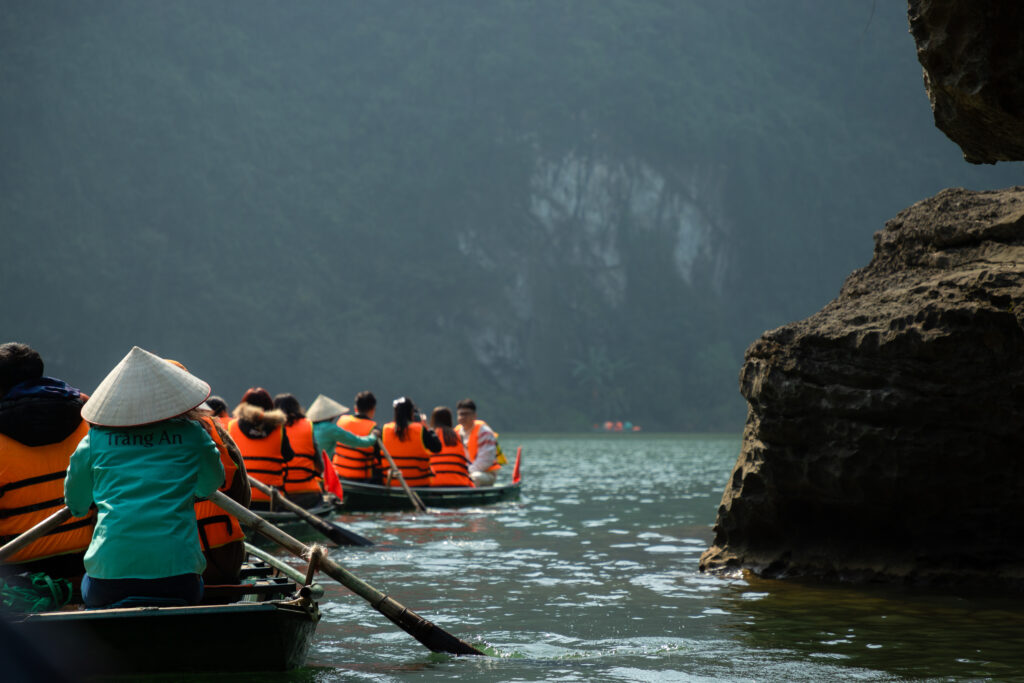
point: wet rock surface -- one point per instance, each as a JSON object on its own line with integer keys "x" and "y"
{"x": 885, "y": 434}
{"x": 973, "y": 54}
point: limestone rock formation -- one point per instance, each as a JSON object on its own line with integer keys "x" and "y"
{"x": 885, "y": 434}
{"x": 973, "y": 57}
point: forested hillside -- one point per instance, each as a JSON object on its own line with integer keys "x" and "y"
{"x": 572, "y": 211}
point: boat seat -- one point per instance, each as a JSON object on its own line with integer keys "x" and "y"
{"x": 146, "y": 601}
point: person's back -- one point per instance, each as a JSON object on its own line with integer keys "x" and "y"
{"x": 258, "y": 431}
{"x": 450, "y": 466}
{"x": 359, "y": 463}
{"x": 142, "y": 480}
{"x": 142, "y": 464}
{"x": 40, "y": 427}
{"x": 302, "y": 480}
{"x": 410, "y": 443}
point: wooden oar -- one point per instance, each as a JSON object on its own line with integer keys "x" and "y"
{"x": 413, "y": 496}
{"x": 335, "y": 532}
{"x": 432, "y": 636}
{"x": 26, "y": 537}
{"x": 316, "y": 590}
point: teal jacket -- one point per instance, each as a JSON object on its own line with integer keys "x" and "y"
{"x": 143, "y": 481}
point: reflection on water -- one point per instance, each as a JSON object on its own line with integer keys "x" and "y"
{"x": 593, "y": 577}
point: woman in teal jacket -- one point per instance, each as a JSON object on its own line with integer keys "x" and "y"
{"x": 142, "y": 464}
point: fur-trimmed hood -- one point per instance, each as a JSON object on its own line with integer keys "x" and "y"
{"x": 257, "y": 423}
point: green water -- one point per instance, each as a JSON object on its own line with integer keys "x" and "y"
{"x": 593, "y": 577}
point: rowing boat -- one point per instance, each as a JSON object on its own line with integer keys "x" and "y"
{"x": 362, "y": 497}
{"x": 268, "y": 625}
{"x": 324, "y": 508}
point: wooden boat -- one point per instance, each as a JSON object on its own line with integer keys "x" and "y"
{"x": 325, "y": 508}
{"x": 267, "y": 624}
{"x": 361, "y": 497}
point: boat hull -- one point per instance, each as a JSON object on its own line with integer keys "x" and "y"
{"x": 361, "y": 497}
{"x": 248, "y": 636}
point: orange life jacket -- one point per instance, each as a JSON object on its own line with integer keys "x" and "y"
{"x": 472, "y": 447}
{"x": 450, "y": 466}
{"x": 302, "y": 474}
{"x": 410, "y": 455}
{"x": 262, "y": 458}
{"x": 355, "y": 463}
{"x": 33, "y": 489}
{"x": 216, "y": 526}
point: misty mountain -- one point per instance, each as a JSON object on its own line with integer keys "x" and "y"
{"x": 572, "y": 211}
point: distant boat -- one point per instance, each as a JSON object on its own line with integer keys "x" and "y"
{"x": 362, "y": 497}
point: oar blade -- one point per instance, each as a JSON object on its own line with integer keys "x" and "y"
{"x": 432, "y": 636}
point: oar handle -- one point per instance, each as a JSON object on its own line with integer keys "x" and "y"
{"x": 432, "y": 636}
{"x": 40, "y": 529}
{"x": 413, "y": 496}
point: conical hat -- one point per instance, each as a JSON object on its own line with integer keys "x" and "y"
{"x": 323, "y": 408}
{"x": 143, "y": 388}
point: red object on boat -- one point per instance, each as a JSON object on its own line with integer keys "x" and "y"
{"x": 515, "y": 470}
{"x": 331, "y": 482}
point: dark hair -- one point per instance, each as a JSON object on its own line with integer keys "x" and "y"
{"x": 259, "y": 397}
{"x": 441, "y": 421}
{"x": 290, "y": 405}
{"x": 466, "y": 403}
{"x": 217, "y": 405}
{"x": 365, "y": 402}
{"x": 403, "y": 416}
{"x": 18, "y": 362}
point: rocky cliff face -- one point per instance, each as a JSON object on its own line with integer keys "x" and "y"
{"x": 972, "y": 54}
{"x": 885, "y": 435}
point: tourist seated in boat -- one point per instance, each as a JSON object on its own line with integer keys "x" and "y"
{"x": 40, "y": 427}
{"x": 481, "y": 444}
{"x": 219, "y": 409}
{"x": 142, "y": 464}
{"x": 355, "y": 436}
{"x": 410, "y": 443}
{"x": 303, "y": 479}
{"x": 221, "y": 536}
{"x": 449, "y": 465}
{"x": 258, "y": 431}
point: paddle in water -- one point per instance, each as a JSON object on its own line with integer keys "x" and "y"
{"x": 435, "y": 638}
{"x": 335, "y": 532}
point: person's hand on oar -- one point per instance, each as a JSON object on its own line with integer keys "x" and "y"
{"x": 431, "y": 635}
{"x": 335, "y": 532}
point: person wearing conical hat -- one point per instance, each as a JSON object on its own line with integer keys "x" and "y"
{"x": 142, "y": 464}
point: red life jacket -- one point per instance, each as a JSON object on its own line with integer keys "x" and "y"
{"x": 216, "y": 526}
{"x": 302, "y": 475}
{"x": 450, "y": 466}
{"x": 262, "y": 457}
{"x": 355, "y": 463}
{"x": 410, "y": 455}
{"x": 473, "y": 447}
{"x": 33, "y": 489}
